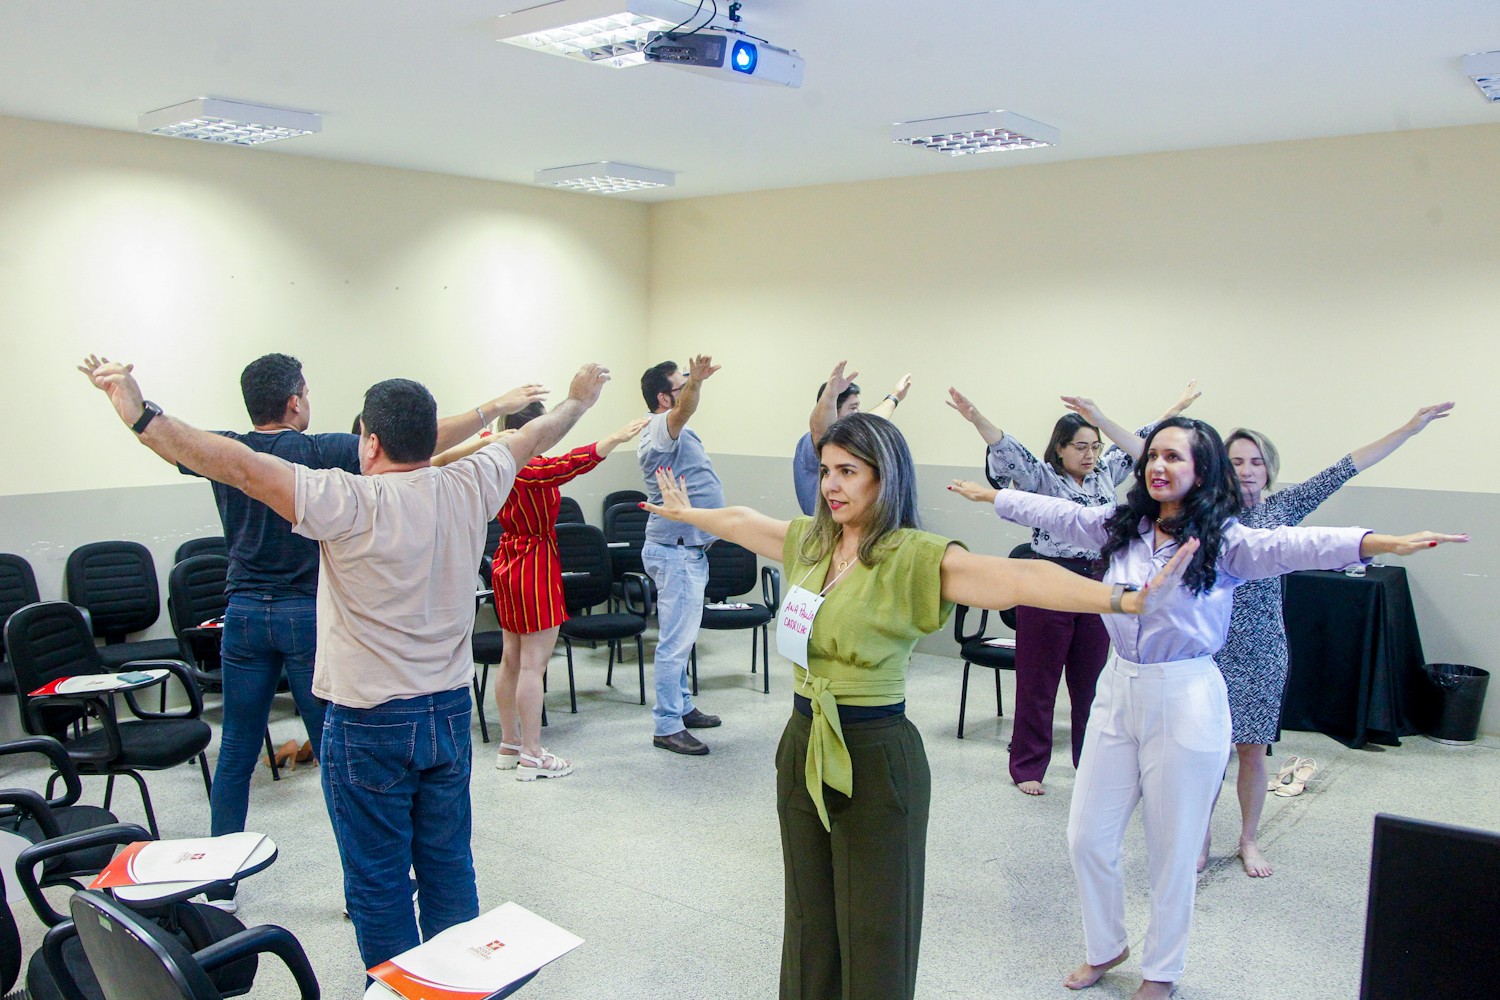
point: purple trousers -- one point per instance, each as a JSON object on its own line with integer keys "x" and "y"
{"x": 1047, "y": 644}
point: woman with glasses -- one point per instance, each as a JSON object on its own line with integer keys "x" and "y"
{"x": 1050, "y": 644}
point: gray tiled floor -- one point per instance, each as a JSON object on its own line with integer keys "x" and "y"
{"x": 670, "y": 867}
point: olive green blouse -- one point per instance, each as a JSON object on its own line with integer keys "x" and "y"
{"x": 862, "y": 638}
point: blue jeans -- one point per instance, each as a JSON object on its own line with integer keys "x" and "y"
{"x": 262, "y": 637}
{"x": 681, "y": 574}
{"x": 396, "y": 779}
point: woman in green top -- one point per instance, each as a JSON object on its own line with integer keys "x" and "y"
{"x": 867, "y": 584}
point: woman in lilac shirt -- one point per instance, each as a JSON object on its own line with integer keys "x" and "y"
{"x": 1159, "y": 730}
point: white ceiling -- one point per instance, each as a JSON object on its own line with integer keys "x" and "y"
{"x": 422, "y": 83}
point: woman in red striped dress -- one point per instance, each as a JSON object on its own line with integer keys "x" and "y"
{"x": 529, "y": 595}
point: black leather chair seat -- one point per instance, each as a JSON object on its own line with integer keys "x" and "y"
{"x": 41, "y": 985}
{"x": 488, "y": 646}
{"x": 72, "y": 819}
{"x": 116, "y": 656}
{"x": 997, "y": 657}
{"x": 597, "y": 628}
{"x": 146, "y": 746}
{"x": 725, "y": 619}
{"x": 7, "y": 678}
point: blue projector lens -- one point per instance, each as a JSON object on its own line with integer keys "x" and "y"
{"x": 743, "y": 58}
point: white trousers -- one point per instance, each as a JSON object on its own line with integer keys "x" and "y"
{"x": 1158, "y": 734}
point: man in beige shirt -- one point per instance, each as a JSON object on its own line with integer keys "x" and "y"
{"x": 399, "y": 547}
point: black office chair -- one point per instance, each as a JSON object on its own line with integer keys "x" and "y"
{"x": 195, "y": 594}
{"x": 488, "y": 649}
{"x": 116, "y": 582}
{"x": 60, "y": 958}
{"x": 135, "y": 959}
{"x": 731, "y": 573}
{"x": 588, "y": 579}
{"x": 216, "y": 545}
{"x": 48, "y": 641}
{"x": 17, "y": 589}
{"x": 622, "y": 496}
{"x": 569, "y": 512}
{"x": 26, "y": 814}
{"x": 974, "y": 651}
{"x": 625, "y": 534}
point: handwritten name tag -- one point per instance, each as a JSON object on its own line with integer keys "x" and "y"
{"x": 794, "y": 623}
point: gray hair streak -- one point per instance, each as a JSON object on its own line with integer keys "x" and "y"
{"x": 876, "y": 442}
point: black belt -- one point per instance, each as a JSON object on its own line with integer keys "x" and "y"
{"x": 852, "y": 713}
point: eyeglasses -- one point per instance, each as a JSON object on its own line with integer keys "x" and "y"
{"x": 1084, "y": 447}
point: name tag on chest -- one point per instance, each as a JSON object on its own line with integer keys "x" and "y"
{"x": 794, "y": 623}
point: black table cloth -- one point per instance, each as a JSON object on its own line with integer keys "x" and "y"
{"x": 1356, "y": 656}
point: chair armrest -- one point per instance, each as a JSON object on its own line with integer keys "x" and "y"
{"x": 33, "y": 805}
{"x": 264, "y": 939}
{"x": 959, "y": 614}
{"x": 770, "y": 587}
{"x": 28, "y": 860}
{"x": 177, "y": 669}
{"x": 643, "y": 582}
{"x": 52, "y": 955}
{"x": 101, "y": 711}
{"x": 61, "y": 762}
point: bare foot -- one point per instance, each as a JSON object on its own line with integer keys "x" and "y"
{"x": 1256, "y": 865}
{"x": 1152, "y": 990}
{"x": 1208, "y": 840}
{"x": 1031, "y": 787}
{"x": 1087, "y": 975}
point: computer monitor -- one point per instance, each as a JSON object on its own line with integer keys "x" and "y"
{"x": 1433, "y": 925}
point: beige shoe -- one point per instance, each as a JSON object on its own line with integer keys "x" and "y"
{"x": 1301, "y": 775}
{"x": 1284, "y": 775}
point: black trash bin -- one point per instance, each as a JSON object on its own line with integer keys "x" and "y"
{"x": 1459, "y": 701}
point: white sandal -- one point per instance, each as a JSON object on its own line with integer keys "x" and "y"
{"x": 548, "y": 765}
{"x": 507, "y": 761}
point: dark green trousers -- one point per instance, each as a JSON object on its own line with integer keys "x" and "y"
{"x": 854, "y": 895}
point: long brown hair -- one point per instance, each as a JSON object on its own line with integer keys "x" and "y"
{"x": 876, "y": 442}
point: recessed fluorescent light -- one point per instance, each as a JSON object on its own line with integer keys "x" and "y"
{"x": 988, "y": 132}
{"x": 610, "y": 32}
{"x": 1484, "y": 69}
{"x": 605, "y": 177}
{"x": 213, "y": 120}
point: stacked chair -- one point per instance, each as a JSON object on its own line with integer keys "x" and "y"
{"x": 622, "y": 496}
{"x": 569, "y": 512}
{"x": 625, "y": 534}
{"x": 974, "y": 651}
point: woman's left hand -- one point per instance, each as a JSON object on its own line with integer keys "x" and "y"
{"x": 674, "y": 505}
{"x": 1405, "y": 545}
{"x": 1427, "y": 415}
{"x": 973, "y": 491}
{"x": 1149, "y": 597}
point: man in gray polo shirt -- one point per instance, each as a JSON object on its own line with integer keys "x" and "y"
{"x": 676, "y": 555}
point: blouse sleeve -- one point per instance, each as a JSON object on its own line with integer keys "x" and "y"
{"x": 1117, "y": 464}
{"x": 1291, "y": 505}
{"x": 1067, "y": 522}
{"x": 917, "y": 567}
{"x": 796, "y": 530}
{"x": 1259, "y": 553}
{"x": 1008, "y": 463}
{"x": 559, "y": 469}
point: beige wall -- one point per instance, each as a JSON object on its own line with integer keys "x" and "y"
{"x": 190, "y": 260}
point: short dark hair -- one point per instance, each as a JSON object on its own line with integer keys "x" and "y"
{"x": 853, "y": 390}
{"x": 359, "y": 424}
{"x": 524, "y": 416}
{"x": 657, "y": 380}
{"x": 267, "y": 383}
{"x": 403, "y": 415}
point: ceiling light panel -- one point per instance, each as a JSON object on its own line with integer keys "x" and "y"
{"x": 609, "y": 32}
{"x": 605, "y": 177}
{"x": 213, "y": 120}
{"x": 1484, "y": 69}
{"x": 988, "y": 132}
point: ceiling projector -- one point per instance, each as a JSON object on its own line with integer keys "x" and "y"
{"x": 727, "y": 55}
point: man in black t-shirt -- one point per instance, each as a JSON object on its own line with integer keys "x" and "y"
{"x": 270, "y": 625}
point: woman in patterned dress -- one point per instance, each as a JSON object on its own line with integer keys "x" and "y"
{"x": 1254, "y": 658}
{"x": 1054, "y": 644}
{"x": 527, "y": 580}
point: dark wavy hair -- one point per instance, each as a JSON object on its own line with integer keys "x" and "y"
{"x": 1063, "y": 432}
{"x": 1205, "y": 510}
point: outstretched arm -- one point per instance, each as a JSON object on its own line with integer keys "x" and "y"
{"x": 992, "y": 582}
{"x": 887, "y": 407}
{"x": 825, "y": 411}
{"x": 1123, "y": 439}
{"x": 958, "y": 401}
{"x": 699, "y": 368}
{"x": 263, "y": 477}
{"x": 548, "y": 429}
{"x": 452, "y": 430}
{"x": 468, "y": 448}
{"x": 765, "y": 536}
{"x": 1377, "y": 450}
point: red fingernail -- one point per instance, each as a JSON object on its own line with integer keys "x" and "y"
{"x": 1431, "y": 544}
{"x": 641, "y": 505}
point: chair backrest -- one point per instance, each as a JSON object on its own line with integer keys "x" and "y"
{"x": 17, "y": 588}
{"x": 116, "y": 581}
{"x": 569, "y": 512}
{"x": 622, "y": 496}
{"x": 1008, "y": 616}
{"x": 132, "y": 957}
{"x": 195, "y": 591}
{"x": 48, "y": 640}
{"x": 1426, "y": 929}
{"x": 492, "y": 533}
{"x": 581, "y": 549}
{"x": 625, "y": 522}
{"x": 732, "y": 571}
{"x": 215, "y": 545}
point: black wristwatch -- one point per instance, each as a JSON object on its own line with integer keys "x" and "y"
{"x": 152, "y": 411}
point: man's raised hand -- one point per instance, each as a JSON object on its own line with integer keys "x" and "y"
{"x": 115, "y": 381}
{"x": 701, "y": 367}
{"x": 588, "y": 383}
{"x": 838, "y": 381}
